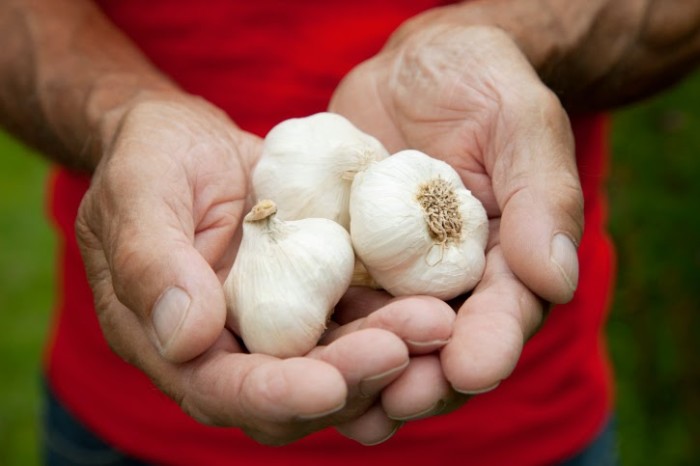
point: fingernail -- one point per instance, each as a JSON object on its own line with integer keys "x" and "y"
{"x": 312, "y": 416}
{"x": 478, "y": 391}
{"x": 564, "y": 256}
{"x": 428, "y": 344}
{"x": 168, "y": 314}
{"x": 423, "y": 347}
{"x": 385, "y": 438}
{"x": 432, "y": 411}
{"x": 372, "y": 385}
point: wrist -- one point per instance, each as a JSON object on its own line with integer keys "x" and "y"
{"x": 519, "y": 20}
{"x": 594, "y": 55}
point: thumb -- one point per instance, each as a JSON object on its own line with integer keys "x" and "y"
{"x": 189, "y": 313}
{"x": 541, "y": 202}
{"x": 148, "y": 252}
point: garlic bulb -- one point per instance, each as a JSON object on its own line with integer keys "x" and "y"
{"x": 308, "y": 165}
{"x": 285, "y": 281}
{"x": 416, "y": 228}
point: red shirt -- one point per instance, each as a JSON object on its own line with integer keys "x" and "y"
{"x": 263, "y": 62}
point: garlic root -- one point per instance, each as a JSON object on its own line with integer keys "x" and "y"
{"x": 416, "y": 228}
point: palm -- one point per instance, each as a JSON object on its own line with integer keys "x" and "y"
{"x": 156, "y": 228}
{"x": 456, "y": 103}
{"x": 469, "y": 97}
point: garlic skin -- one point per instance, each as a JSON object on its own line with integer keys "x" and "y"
{"x": 285, "y": 281}
{"x": 416, "y": 228}
{"x": 308, "y": 165}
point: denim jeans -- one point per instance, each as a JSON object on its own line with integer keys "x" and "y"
{"x": 66, "y": 442}
{"x": 603, "y": 451}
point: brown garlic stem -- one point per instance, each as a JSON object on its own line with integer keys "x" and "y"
{"x": 261, "y": 211}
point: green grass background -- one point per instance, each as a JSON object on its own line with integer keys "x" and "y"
{"x": 653, "y": 330}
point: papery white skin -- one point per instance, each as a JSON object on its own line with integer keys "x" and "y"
{"x": 392, "y": 239}
{"x": 308, "y": 164}
{"x": 285, "y": 282}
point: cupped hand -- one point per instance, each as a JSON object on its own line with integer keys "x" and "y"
{"x": 468, "y": 96}
{"x": 155, "y": 231}
{"x": 425, "y": 325}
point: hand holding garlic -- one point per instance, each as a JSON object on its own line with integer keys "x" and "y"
{"x": 467, "y": 95}
{"x": 323, "y": 166}
{"x": 156, "y": 244}
{"x": 415, "y": 228}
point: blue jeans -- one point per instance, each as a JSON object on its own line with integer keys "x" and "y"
{"x": 66, "y": 442}
{"x": 603, "y": 451}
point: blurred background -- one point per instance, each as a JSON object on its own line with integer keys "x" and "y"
{"x": 654, "y": 328}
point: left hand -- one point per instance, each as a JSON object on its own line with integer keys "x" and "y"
{"x": 424, "y": 324}
{"x": 468, "y": 96}
{"x": 155, "y": 230}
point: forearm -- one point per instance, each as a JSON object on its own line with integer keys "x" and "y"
{"x": 593, "y": 53}
{"x": 66, "y": 73}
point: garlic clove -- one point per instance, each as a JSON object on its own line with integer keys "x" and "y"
{"x": 286, "y": 280}
{"x": 416, "y": 228}
{"x": 308, "y": 165}
{"x": 361, "y": 277}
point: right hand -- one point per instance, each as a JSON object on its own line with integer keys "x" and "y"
{"x": 155, "y": 230}
{"x": 468, "y": 95}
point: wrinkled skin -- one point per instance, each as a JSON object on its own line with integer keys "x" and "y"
{"x": 155, "y": 232}
{"x": 467, "y": 95}
{"x": 163, "y": 207}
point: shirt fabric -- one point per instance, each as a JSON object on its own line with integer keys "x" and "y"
{"x": 263, "y": 62}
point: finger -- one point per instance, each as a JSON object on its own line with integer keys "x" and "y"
{"x": 372, "y": 428}
{"x": 225, "y": 386}
{"x": 490, "y": 329}
{"x": 421, "y": 391}
{"x": 296, "y": 390}
{"x": 254, "y": 389}
{"x": 359, "y": 302}
{"x": 274, "y": 401}
{"x": 422, "y": 322}
{"x": 369, "y": 360}
{"x": 157, "y": 273}
{"x": 536, "y": 184}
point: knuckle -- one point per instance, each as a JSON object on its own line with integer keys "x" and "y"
{"x": 271, "y": 386}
